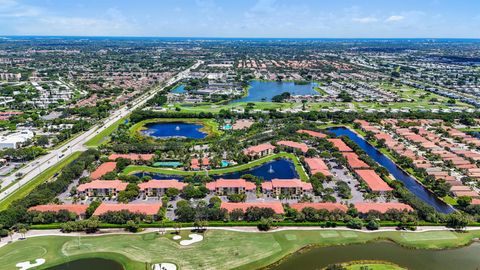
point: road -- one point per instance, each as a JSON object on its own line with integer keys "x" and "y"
{"x": 35, "y": 167}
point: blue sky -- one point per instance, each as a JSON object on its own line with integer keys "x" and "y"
{"x": 243, "y": 18}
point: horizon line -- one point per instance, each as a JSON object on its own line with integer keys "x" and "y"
{"x": 219, "y": 37}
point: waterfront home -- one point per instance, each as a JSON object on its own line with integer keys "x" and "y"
{"x": 148, "y": 209}
{"x": 277, "y": 207}
{"x": 260, "y": 150}
{"x": 374, "y": 182}
{"x": 286, "y": 187}
{"x": 300, "y": 146}
{"x": 317, "y": 165}
{"x": 312, "y": 133}
{"x": 365, "y": 207}
{"x": 200, "y": 164}
{"x": 340, "y": 145}
{"x": 103, "y": 169}
{"x": 223, "y": 187}
{"x": 157, "y": 188}
{"x": 354, "y": 162}
{"x": 78, "y": 209}
{"x": 320, "y": 206}
{"x": 132, "y": 156}
{"x": 101, "y": 188}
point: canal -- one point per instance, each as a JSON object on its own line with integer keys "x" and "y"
{"x": 410, "y": 183}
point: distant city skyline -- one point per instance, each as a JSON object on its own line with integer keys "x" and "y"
{"x": 246, "y": 18}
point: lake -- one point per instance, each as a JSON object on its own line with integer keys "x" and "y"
{"x": 280, "y": 168}
{"x": 174, "y": 130}
{"x": 465, "y": 258}
{"x": 264, "y": 91}
{"x": 410, "y": 183}
{"x": 92, "y": 263}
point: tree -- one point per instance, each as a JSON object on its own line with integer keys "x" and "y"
{"x": 355, "y": 223}
{"x": 132, "y": 226}
{"x": 265, "y": 224}
{"x": 215, "y": 201}
{"x": 91, "y": 208}
{"x": 457, "y": 221}
{"x": 464, "y": 201}
{"x": 372, "y": 225}
{"x": 172, "y": 193}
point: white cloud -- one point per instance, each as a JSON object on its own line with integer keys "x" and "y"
{"x": 395, "y": 18}
{"x": 365, "y": 20}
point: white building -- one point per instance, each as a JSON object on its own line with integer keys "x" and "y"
{"x": 15, "y": 140}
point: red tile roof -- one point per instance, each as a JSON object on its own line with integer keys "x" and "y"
{"x": 340, "y": 145}
{"x": 354, "y": 161}
{"x": 275, "y": 206}
{"x": 162, "y": 184}
{"x": 103, "y": 184}
{"x": 319, "y": 206}
{"x": 103, "y": 169}
{"x": 286, "y": 183}
{"x": 253, "y": 150}
{"x": 312, "y": 133}
{"x": 317, "y": 165}
{"x": 301, "y": 146}
{"x": 231, "y": 183}
{"x": 132, "y": 156}
{"x": 195, "y": 164}
{"x": 374, "y": 182}
{"x": 142, "y": 208}
{"x": 365, "y": 207}
{"x": 78, "y": 209}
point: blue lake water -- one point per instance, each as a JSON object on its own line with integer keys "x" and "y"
{"x": 410, "y": 183}
{"x": 280, "y": 168}
{"x": 173, "y": 129}
{"x": 264, "y": 91}
{"x": 180, "y": 89}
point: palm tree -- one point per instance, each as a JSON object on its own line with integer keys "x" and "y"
{"x": 10, "y": 234}
{"x": 23, "y": 232}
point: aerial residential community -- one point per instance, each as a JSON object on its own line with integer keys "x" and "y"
{"x": 126, "y": 143}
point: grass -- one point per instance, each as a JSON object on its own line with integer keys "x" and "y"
{"x": 220, "y": 249}
{"x": 101, "y": 137}
{"x": 372, "y": 266}
{"x": 210, "y": 126}
{"x": 39, "y": 179}
{"x": 298, "y": 167}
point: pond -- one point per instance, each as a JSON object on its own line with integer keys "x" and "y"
{"x": 280, "y": 168}
{"x": 410, "y": 183}
{"x": 174, "y": 130}
{"x": 180, "y": 89}
{"x": 92, "y": 263}
{"x": 264, "y": 91}
{"x": 465, "y": 258}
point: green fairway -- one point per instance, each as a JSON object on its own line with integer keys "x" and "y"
{"x": 219, "y": 250}
{"x": 298, "y": 167}
{"x": 39, "y": 179}
{"x": 102, "y": 137}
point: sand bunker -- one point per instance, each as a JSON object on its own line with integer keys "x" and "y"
{"x": 177, "y": 237}
{"x": 194, "y": 239}
{"x": 164, "y": 266}
{"x": 28, "y": 265}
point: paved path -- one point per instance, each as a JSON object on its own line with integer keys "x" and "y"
{"x": 35, "y": 167}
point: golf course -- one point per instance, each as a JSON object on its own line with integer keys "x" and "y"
{"x": 220, "y": 249}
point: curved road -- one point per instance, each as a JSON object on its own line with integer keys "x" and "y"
{"x": 35, "y": 167}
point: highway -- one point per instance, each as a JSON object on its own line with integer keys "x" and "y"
{"x": 35, "y": 167}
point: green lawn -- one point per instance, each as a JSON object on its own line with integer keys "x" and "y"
{"x": 102, "y": 137}
{"x": 373, "y": 266}
{"x": 298, "y": 167}
{"x": 39, "y": 179}
{"x": 219, "y": 250}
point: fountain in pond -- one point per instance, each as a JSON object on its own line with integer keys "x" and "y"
{"x": 177, "y": 128}
{"x": 271, "y": 170}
